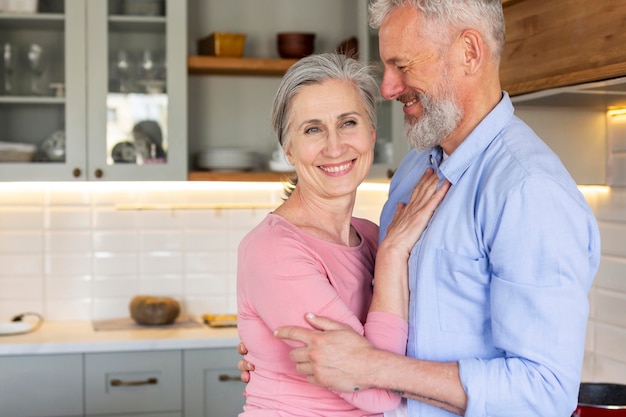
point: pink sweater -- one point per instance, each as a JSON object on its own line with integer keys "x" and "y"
{"x": 284, "y": 273}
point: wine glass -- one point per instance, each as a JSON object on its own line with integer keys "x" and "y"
{"x": 123, "y": 71}
{"x": 8, "y": 59}
{"x": 147, "y": 66}
{"x": 36, "y": 68}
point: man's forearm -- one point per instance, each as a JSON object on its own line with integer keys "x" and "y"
{"x": 434, "y": 383}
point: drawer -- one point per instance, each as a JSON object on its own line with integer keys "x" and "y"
{"x": 133, "y": 382}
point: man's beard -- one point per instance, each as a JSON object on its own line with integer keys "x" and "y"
{"x": 438, "y": 120}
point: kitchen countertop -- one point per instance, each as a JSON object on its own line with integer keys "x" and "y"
{"x": 80, "y": 337}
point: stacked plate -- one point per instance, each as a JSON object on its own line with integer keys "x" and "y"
{"x": 226, "y": 159}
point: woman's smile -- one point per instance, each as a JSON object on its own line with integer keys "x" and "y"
{"x": 338, "y": 168}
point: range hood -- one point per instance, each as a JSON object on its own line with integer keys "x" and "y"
{"x": 600, "y": 95}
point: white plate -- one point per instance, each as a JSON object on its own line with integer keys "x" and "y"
{"x": 14, "y": 327}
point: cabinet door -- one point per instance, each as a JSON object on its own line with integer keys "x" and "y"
{"x": 212, "y": 384}
{"x": 41, "y": 385}
{"x": 136, "y": 85}
{"x": 42, "y": 93}
{"x": 133, "y": 382}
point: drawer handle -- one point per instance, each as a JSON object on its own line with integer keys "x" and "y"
{"x": 120, "y": 383}
{"x": 225, "y": 378}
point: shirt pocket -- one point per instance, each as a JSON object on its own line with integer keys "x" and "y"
{"x": 462, "y": 293}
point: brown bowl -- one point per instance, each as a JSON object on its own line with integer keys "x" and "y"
{"x": 295, "y": 44}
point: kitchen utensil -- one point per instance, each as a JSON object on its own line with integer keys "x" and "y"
{"x": 601, "y": 400}
{"x": 295, "y": 44}
{"x": 222, "y": 44}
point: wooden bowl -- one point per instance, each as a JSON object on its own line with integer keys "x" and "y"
{"x": 295, "y": 44}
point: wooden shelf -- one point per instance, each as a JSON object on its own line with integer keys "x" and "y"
{"x": 211, "y": 65}
{"x": 237, "y": 176}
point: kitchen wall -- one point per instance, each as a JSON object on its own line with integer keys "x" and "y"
{"x": 82, "y": 251}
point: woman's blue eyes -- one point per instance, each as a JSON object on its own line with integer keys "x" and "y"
{"x": 316, "y": 129}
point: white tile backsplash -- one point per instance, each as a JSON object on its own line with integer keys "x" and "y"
{"x": 13, "y": 218}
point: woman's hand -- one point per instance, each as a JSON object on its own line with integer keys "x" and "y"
{"x": 243, "y": 365}
{"x": 411, "y": 218}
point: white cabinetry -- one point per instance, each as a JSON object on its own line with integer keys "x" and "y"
{"x": 231, "y": 108}
{"x": 82, "y": 43}
{"x": 41, "y": 386}
{"x": 170, "y": 383}
{"x": 213, "y": 387}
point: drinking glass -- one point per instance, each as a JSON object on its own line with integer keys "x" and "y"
{"x": 35, "y": 55}
{"x": 123, "y": 71}
{"x": 8, "y": 66}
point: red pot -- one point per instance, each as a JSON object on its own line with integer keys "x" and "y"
{"x": 601, "y": 400}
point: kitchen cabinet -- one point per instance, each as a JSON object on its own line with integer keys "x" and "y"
{"x": 41, "y": 386}
{"x": 153, "y": 383}
{"x": 119, "y": 79}
{"x": 213, "y": 387}
{"x": 559, "y": 43}
{"x": 230, "y": 98}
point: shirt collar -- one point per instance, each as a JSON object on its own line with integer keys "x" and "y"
{"x": 478, "y": 140}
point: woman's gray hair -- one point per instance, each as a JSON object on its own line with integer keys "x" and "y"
{"x": 486, "y": 16}
{"x": 315, "y": 69}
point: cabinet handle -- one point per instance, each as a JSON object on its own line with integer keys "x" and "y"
{"x": 76, "y": 172}
{"x": 226, "y": 378}
{"x": 120, "y": 383}
{"x": 98, "y": 173}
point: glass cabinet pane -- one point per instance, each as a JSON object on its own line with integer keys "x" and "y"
{"x": 32, "y": 82}
{"x": 137, "y": 100}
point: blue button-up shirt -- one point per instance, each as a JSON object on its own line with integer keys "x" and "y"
{"x": 499, "y": 280}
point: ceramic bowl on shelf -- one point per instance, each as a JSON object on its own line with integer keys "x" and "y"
{"x": 226, "y": 160}
{"x": 295, "y": 44}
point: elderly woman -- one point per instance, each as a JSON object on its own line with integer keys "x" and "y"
{"x": 312, "y": 255}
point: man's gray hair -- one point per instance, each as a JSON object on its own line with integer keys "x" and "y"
{"x": 486, "y": 16}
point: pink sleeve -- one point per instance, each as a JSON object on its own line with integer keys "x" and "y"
{"x": 286, "y": 281}
{"x": 389, "y": 332}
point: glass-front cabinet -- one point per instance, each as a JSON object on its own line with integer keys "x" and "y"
{"x": 93, "y": 90}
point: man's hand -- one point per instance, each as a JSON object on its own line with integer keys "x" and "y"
{"x": 243, "y": 365}
{"x": 333, "y": 355}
